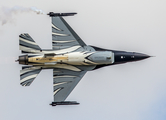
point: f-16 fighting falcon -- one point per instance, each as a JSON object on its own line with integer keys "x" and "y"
{"x": 70, "y": 58}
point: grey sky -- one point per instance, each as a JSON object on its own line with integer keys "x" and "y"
{"x": 132, "y": 91}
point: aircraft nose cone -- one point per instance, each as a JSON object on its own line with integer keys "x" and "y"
{"x": 123, "y": 57}
{"x": 139, "y": 56}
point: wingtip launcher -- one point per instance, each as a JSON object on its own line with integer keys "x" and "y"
{"x": 64, "y": 103}
{"x": 52, "y": 14}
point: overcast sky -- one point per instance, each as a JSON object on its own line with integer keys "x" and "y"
{"x": 132, "y": 91}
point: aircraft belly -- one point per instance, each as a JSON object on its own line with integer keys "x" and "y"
{"x": 43, "y": 60}
{"x": 76, "y": 58}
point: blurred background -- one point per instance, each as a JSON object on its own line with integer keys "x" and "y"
{"x": 131, "y": 91}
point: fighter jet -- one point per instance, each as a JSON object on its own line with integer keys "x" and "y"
{"x": 70, "y": 58}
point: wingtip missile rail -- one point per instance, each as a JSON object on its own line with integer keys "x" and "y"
{"x": 64, "y": 103}
{"x": 52, "y": 14}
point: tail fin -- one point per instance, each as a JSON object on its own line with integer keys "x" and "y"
{"x": 27, "y": 44}
{"x": 28, "y": 74}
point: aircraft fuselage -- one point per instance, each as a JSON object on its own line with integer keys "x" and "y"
{"x": 94, "y": 56}
{"x": 73, "y": 58}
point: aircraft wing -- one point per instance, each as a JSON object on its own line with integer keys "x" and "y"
{"x": 63, "y": 36}
{"x": 64, "y": 81}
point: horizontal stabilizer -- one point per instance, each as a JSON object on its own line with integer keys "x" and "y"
{"x": 28, "y": 74}
{"x": 27, "y": 44}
